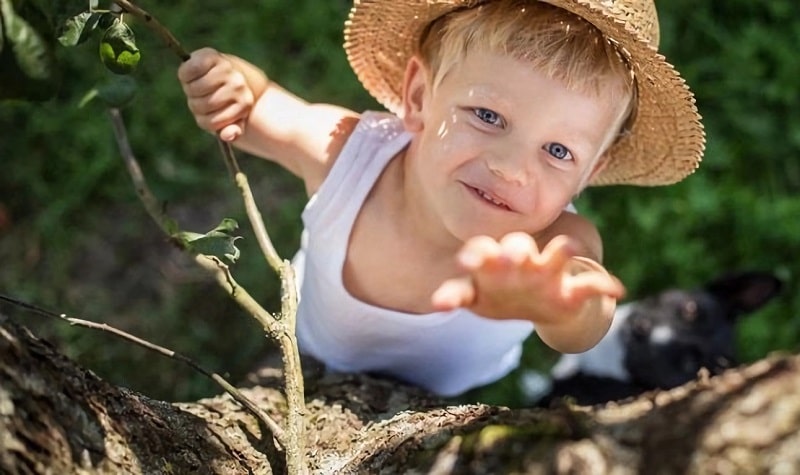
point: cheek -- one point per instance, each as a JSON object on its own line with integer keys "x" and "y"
{"x": 447, "y": 150}
{"x": 462, "y": 144}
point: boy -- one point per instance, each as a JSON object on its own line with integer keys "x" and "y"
{"x": 436, "y": 239}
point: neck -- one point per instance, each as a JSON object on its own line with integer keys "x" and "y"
{"x": 411, "y": 213}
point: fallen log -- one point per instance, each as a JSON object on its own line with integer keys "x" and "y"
{"x": 59, "y": 418}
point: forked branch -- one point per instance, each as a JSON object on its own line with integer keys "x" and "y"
{"x": 280, "y": 329}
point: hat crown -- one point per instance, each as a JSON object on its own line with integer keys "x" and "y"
{"x": 666, "y": 139}
{"x": 639, "y": 15}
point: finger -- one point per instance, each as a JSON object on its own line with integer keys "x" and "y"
{"x": 198, "y": 65}
{"x": 217, "y": 99}
{"x": 204, "y": 86}
{"x": 454, "y": 293}
{"x": 518, "y": 247}
{"x": 220, "y": 78}
{"x": 223, "y": 116}
{"x": 590, "y": 284}
{"x": 217, "y": 121}
{"x": 231, "y": 132}
{"x": 204, "y": 105}
{"x": 557, "y": 252}
{"x": 477, "y": 251}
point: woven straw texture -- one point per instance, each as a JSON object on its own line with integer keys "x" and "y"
{"x": 666, "y": 142}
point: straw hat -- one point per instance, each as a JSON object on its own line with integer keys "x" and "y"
{"x": 666, "y": 142}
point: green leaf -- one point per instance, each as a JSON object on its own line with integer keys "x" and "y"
{"x": 28, "y": 68}
{"x": 78, "y": 29}
{"x": 2, "y": 33}
{"x": 227, "y": 226}
{"x": 31, "y": 51}
{"x": 118, "y": 49}
{"x": 117, "y": 92}
{"x": 219, "y": 242}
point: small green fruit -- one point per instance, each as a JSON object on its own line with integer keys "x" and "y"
{"x": 118, "y": 50}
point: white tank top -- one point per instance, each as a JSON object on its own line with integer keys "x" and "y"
{"x": 444, "y": 352}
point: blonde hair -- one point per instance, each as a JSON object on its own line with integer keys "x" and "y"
{"x": 564, "y": 46}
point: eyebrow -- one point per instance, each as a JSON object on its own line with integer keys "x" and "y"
{"x": 485, "y": 92}
{"x": 582, "y": 148}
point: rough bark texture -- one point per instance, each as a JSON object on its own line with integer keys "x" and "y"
{"x": 57, "y": 418}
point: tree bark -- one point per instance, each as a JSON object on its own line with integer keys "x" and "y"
{"x": 58, "y": 418}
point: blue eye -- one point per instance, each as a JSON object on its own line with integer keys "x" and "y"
{"x": 488, "y": 116}
{"x": 558, "y": 150}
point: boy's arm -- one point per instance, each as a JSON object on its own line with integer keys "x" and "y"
{"x": 234, "y": 98}
{"x": 586, "y": 239}
{"x": 554, "y": 280}
{"x": 592, "y": 320}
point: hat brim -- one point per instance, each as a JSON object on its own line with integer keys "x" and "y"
{"x": 666, "y": 140}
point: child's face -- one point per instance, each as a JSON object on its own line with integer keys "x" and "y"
{"x": 501, "y": 147}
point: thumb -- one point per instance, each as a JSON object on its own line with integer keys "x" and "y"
{"x": 454, "y": 293}
{"x": 231, "y": 132}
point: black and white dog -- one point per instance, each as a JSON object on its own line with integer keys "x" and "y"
{"x": 658, "y": 342}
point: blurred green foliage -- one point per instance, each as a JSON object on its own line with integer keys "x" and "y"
{"x": 741, "y": 209}
{"x": 74, "y": 238}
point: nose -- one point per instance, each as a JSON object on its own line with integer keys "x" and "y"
{"x": 640, "y": 327}
{"x": 511, "y": 168}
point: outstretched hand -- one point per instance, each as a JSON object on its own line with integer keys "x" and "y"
{"x": 513, "y": 278}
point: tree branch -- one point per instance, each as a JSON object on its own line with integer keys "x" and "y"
{"x": 280, "y": 330}
{"x": 273, "y": 426}
{"x": 59, "y": 418}
{"x": 166, "y": 36}
{"x": 283, "y": 331}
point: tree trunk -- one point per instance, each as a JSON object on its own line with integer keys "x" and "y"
{"x": 57, "y": 418}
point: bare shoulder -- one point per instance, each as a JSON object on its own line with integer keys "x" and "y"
{"x": 305, "y": 138}
{"x": 583, "y": 231}
{"x": 329, "y": 127}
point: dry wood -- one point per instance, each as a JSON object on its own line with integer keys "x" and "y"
{"x": 56, "y": 417}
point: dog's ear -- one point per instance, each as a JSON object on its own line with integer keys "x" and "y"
{"x": 744, "y": 292}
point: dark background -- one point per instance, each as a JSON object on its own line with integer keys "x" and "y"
{"x": 74, "y": 238}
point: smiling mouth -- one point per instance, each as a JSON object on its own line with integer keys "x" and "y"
{"x": 490, "y": 199}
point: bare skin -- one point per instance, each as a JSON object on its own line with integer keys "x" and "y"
{"x": 467, "y": 220}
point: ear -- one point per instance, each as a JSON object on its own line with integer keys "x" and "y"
{"x": 745, "y": 292}
{"x": 415, "y": 85}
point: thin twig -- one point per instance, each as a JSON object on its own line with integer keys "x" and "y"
{"x": 156, "y": 211}
{"x": 166, "y": 36}
{"x": 283, "y": 332}
{"x": 154, "y": 208}
{"x": 276, "y": 430}
{"x": 224, "y": 278}
{"x": 254, "y": 215}
{"x": 227, "y": 150}
{"x": 151, "y": 203}
{"x": 269, "y": 321}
